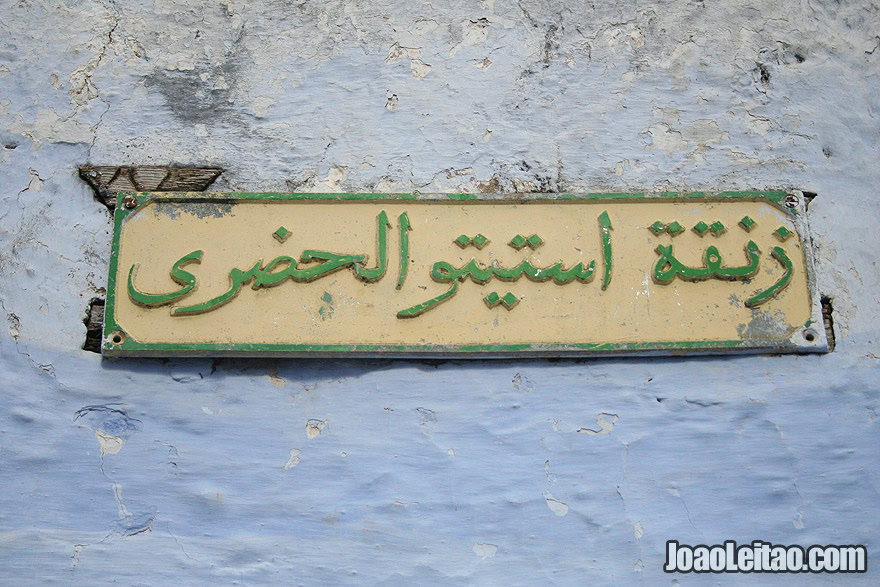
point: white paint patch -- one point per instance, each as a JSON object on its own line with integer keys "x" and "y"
{"x": 120, "y": 506}
{"x": 334, "y": 176}
{"x": 473, "y": 33}
{"x": 560, "y": 508}
{"x": 293, "y": 460}
{"x": 550, "y": 478}
{"x": 314, "y": 428}
{"x": 419, "y": 68}
{"x": 481, "y": 63}
{"x": 82, "y": 90}
{"x": 522, "y": 383}
{"x": 704, "y": 132}
{"x": 424, "y": 26}
{"x": 606, "y": 424}
{"x": 274, "y": 378}
{"x": 110, "y": 445}
{"x": 396, "y": 53}
{"x": 485, "y": 551}
{"x": 14, "y": 327}
{"x": 261, "y": 105}
{"x": 645, "y": 289}
{"x": 48, "y": 126}
{"x": 665, "y": 139}
{"x": 638, "y": 530}
{"x": 671, "y": 140}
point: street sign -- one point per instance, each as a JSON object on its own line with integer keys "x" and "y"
{"x": 239, "y": 274}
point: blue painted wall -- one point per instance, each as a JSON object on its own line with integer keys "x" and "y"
{"x": 402, "y": 472}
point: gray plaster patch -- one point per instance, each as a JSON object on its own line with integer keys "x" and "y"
{"x": 764, "y": 325}
{"x": 197, "y": 209}
{"x": 200, "y": 95}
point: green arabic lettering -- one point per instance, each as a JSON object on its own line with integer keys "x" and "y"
{"x": 285, "y": 267}
{"x": 334, "y": 262}
{"x": 375, "y": 274}
{"x": 184, "y": 278}
{"x": 774, "y": 290}
{"x": 270, "y": 278}
{"x": 238, "y": 277}
{"x": 444, "y": 272}
{"x": 605, "y": 229}
{"x": 668, "y": 266}
{"x": 420, "y": 309}
{"x": 264, "y": 276}
{"x": 405, "y": 227}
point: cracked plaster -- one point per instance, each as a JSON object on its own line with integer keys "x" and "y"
{"x": 493, "y": 97}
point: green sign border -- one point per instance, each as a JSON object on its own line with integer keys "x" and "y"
{"x": 789, "y": 202}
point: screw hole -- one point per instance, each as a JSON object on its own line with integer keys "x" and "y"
{"x": 810, "y": 335}
{"x": 117, "y": 337}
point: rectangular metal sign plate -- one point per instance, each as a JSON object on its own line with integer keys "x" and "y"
{"x": 460, "y": 275}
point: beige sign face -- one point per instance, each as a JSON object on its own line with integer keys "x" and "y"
{"x": 306, "y": 274}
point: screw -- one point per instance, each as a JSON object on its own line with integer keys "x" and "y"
{"x": 129, "y": 202}
{"x": 791, "y": 201}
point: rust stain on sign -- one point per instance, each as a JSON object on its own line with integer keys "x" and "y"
{"x": 463, "y": 275}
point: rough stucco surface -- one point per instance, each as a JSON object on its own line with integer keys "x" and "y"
{"x": 394, "y": 472}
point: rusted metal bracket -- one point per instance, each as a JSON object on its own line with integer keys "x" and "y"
{"x": 108, "y": 180}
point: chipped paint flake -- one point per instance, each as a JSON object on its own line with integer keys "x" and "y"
{"x": 473, "y": 32}
{"x": 293, "y": 459}
{"x": 274, "y": 378}
{"x": 110, "y": 444}
{"x": 314, "y": 428}
{"x": 606, "y": 424}
{"x": 485, "y": 551}
{"x": 560, "y": 508}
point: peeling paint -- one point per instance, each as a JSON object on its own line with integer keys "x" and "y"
{"x": 764, "y": 323}
{"x": 274, "y": 378}
{"x": 606, "y": 424}
{"x": 293, "y": 460}
{"x": 110, "y": 444}
{"x": 473, "y": 32}
{"x": 314, "y": 428}
{"x": 198, "y": 210}
{"x": 297, "y": 97}
{"x": 559, "y": 508}
{"x": 485, "y": 551}
{"x": 48, "y": 126}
